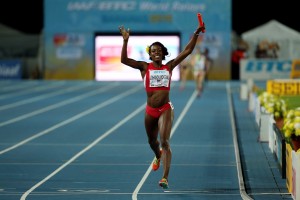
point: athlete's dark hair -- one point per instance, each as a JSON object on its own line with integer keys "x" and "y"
{"x": 163, "y": 48}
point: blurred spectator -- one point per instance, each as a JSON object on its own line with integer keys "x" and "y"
{"x": 236, "y": 56}
{"x": 262, "y": 49}
{"x": 267, "y": 49}
{"x": 273, "y": 50}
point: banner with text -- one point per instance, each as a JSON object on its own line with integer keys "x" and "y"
{"x": 265, "y": 69}
{"x": 10, "y": 69}
{"x": 70, "y": 27}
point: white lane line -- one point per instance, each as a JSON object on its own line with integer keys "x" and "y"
{"x": 40, "y": 97}
{"x": 243, "y": 192}
{"x": 30, "y": 89}
{"x": 178, "y": 121}
{"x": 78, "y": 116}
{"x": 15, "y": 85}
{"x": 134, "y": 113}
{"x": 57, "y": 105}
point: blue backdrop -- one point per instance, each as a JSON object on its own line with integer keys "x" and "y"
{"x": 70, "y": 27}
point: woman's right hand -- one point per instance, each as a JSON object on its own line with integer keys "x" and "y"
{"x": 125, "y": 33}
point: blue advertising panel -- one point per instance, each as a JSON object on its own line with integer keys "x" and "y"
{"x": 265, "y": 69}
{"x": 70, "y": 27}
{"x": 10, "y": 69}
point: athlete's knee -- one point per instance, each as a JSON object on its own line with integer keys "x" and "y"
{"x": 153, "y": 142}
{"x": 165, "y": 145}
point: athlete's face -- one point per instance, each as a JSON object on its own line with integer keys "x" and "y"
{"x": 156, "y": 53}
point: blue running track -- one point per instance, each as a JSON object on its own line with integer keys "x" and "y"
{"x": 85, "y": 140}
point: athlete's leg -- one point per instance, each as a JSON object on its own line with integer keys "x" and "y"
{"x": 183, "y": 77}
{"x": 165, "y": 126}
{"x": 201, "y": 78}
{"x": 197, "y": 82}
{"x": 151, "y": 126}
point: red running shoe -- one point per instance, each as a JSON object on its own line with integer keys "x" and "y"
{"x": 156, "y": 162}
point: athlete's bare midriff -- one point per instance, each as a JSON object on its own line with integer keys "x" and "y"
{"x": 157, "y": 98}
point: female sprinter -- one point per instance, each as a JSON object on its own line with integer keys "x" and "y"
{"x": 159, "y": 110}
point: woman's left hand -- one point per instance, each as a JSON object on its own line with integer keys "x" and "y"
{"x": 125, "y": 33}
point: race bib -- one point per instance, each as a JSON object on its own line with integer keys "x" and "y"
{"x": 159, "y": 78}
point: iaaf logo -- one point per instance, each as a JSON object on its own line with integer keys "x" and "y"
{"x": 268, "y": 65}
{"x": 10, "y": 69}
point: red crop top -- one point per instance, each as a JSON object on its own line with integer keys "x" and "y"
{"x": 157, "y": 78}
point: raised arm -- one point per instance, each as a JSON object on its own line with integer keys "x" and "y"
{"x": 124, "y": 57}
{"x": 188, "y": 48}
